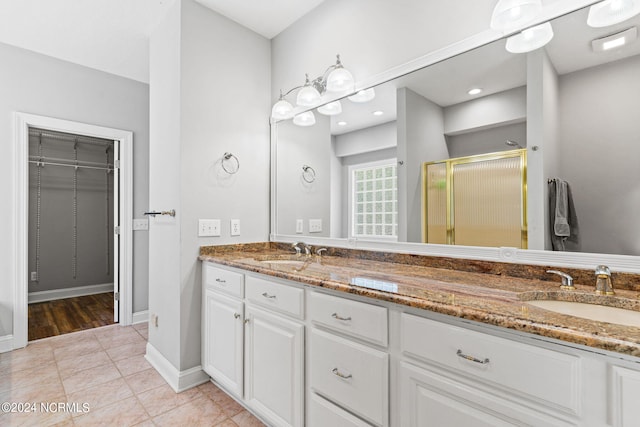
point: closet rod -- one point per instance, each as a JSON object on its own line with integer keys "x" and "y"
{"x": 71, "y": 138}
{"x": 70, "y": 166}
{"x": 70, "y": 162}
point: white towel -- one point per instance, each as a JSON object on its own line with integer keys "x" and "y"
{"x": 561, "y": 226}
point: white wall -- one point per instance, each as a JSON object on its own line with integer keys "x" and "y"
{"x": 487, "y": 140}
{"x": 509, "y": 106}
{"x": 542, "y": 144}
{"x": 373, "y": 138}
{"x": 371, "y": 36}
{"x": 209, "y": 95}
{"x": 298, "y": 199}
{"x": 420, "y": 139}
{"x": 599, "y": 150}
{"x": 38, "y": 84}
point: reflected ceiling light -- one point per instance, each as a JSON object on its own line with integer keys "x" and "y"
{"x": 331, "y": 109}
{"x": 378, "y": 113}
{"x": 530, "y": 39}
{"x": 610, "y": 12}
{"x": 615, "y": 40}
{"x": 342, "y": 123}
{"x": 509, "y": 14}
{"x": 365, "y": 95}
{"x": 474, "y": 91}
{"x": 336, "y": 78}
{"x": 305, "y": 119}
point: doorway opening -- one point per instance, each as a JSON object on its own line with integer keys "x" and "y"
{"x": 73, "y": 227}
{"x": 72, "y": 217}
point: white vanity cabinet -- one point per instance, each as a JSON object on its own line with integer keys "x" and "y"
{"x": 624, "y": 396}
{"x": 253, "y": 343}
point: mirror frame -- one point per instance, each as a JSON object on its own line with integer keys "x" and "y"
{"x": 581, "y": 260}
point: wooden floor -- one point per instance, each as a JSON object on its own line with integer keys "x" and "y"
{"x": 58, "y": 317}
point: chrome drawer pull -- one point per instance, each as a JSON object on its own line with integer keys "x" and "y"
{"x": 459, "y": 353}
{"x": 236, "y": 315}
{"x": 266, "y": 295}
{"x": 219, "y": 280}
{"x": 336, "y": 372}
{"x": 336, "y": 316}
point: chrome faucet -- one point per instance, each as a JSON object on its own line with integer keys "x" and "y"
{"x": 604, "y": 286}
{"x": 567, "y": 280}
{"x": 320, "y": 251}
{"x": 297, "y": 247}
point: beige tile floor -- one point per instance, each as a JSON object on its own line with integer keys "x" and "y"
{"x": 104, "y": 370}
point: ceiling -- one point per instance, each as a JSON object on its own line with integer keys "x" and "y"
{"x": 489, "y": 67}
{"x": 113, "y": 35}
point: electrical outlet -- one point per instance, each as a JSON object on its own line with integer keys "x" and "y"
{"x": 235, "y": 227}
{"x": 299, "y": 226}
{"x": 315, "y": 225}
{"x": 208, "y": 228}
{"x": 140, "y": 224}
{"x": 34, "y": 276}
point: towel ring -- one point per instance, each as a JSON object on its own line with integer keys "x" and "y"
{"x": 308, "y": 174}
{"x": 230, "y": 163}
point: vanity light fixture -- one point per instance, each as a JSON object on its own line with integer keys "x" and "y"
{"x": 615, "y": 40}
{"x": 378, "y": 113}
{"x": 364, "y": 95}
{"x": 611, "y": 12}
{"x": 305, "y": 119}
{"x": 509, "y": 14}
{"x": 336, "y": 78}
{"x": 474, "y": 91}
{"x": 331, "y": 109}
{"x": 530, "y": 39}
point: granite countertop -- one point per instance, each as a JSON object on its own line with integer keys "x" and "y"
{"x": 486, "y": 297}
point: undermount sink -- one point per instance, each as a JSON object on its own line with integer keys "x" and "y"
{"x": 600, "y": 313}
{"x": 294, "y": 262}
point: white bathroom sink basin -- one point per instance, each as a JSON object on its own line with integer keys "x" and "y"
{"x": 291, "y": 262}
{"x": 599, "y": 313}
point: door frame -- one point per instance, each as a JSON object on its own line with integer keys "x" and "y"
{"x": 22, "y": 123}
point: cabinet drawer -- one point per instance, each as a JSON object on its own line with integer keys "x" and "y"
{"x": 547, "y": 376}
{"x": 323, "y": 413}
{"x": 358, "y": 319}
{"x": 351, "y": 375}
{"x": 278, "y": 297}
{"x": 222, "y": 280}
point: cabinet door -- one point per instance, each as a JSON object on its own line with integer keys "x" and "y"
{"x": 274, "y": 369}
{"x": 624, "y": 397}
{"x": 222, "y": 340}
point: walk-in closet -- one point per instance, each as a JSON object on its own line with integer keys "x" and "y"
{"x": 71, "y": 232}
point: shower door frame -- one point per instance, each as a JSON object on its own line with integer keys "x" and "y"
{"x": 23, "y": 122}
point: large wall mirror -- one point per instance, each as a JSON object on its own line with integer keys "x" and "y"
{"x": 572, "y": 105}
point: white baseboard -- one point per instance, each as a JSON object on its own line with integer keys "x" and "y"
{"x": 140, "y": 317}
{"x": 78, "y": 291}
{"x": 178, "y": 380}
{"x": 6, "y": 343}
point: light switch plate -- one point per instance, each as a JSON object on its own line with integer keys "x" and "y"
{"x": 208, "y": 228}
{"x": 299, "y": 226}
{"x": 140, "y": 224}
{"x": 235, "y": 227}
{"x": 315, "y": 225}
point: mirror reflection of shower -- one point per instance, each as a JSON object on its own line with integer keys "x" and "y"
{"x": 512, "y": 143}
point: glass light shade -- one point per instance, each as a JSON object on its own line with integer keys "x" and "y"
{"x": 340, "y": 80}
{"x": 509, "y": 14}
{"x": 365, "y": 95}
{"x": 530, "y": 39}
{"x": 331, "y": 109}
{"x": 308, "y": 96}
{"x": 611, "y": 12}
{"x": 305, "y": 119}
{"x": 282, "y": 110}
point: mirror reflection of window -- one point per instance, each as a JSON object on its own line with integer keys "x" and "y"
{"x": 374, "y": 200}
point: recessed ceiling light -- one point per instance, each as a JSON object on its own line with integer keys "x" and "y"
{"x": 342, "y": 123}
{"x": 474, "y": 91}
{"x": 614, "y": 40}
{"x": 378, "y": 113}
